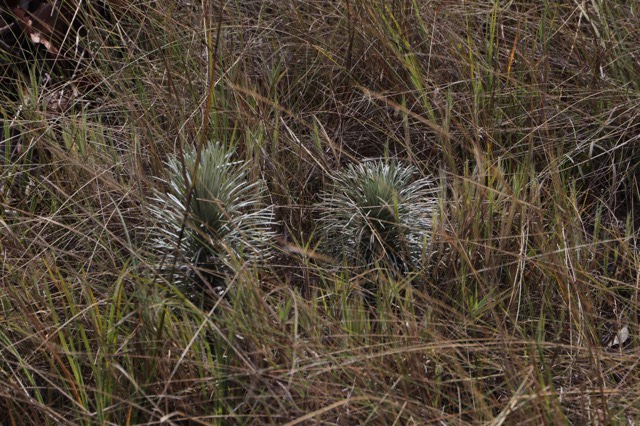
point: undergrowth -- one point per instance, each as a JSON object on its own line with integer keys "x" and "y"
{"x": 516, "y": 301}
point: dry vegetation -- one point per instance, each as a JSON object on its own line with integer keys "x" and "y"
{"x": 521, "y": 309}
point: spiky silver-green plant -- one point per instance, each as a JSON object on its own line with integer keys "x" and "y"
{"x": 377, "y": 211}
{"x": 227, "y": 219}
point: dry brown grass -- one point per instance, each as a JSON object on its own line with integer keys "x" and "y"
{"x": 526, "y": 113}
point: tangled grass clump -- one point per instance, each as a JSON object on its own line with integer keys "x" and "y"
{"x": 377, "y": 212}
{"x": 226, "y": 219}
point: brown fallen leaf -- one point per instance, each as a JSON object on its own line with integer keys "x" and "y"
{"x": 43, "y": 25}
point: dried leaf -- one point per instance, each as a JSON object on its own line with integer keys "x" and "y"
{"x": 620, "y": 338}
{"x": 42, "y": 25}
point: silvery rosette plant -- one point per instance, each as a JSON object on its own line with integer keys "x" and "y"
{"x": 228, "y": 218}
{"x": 379, "y": 212}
